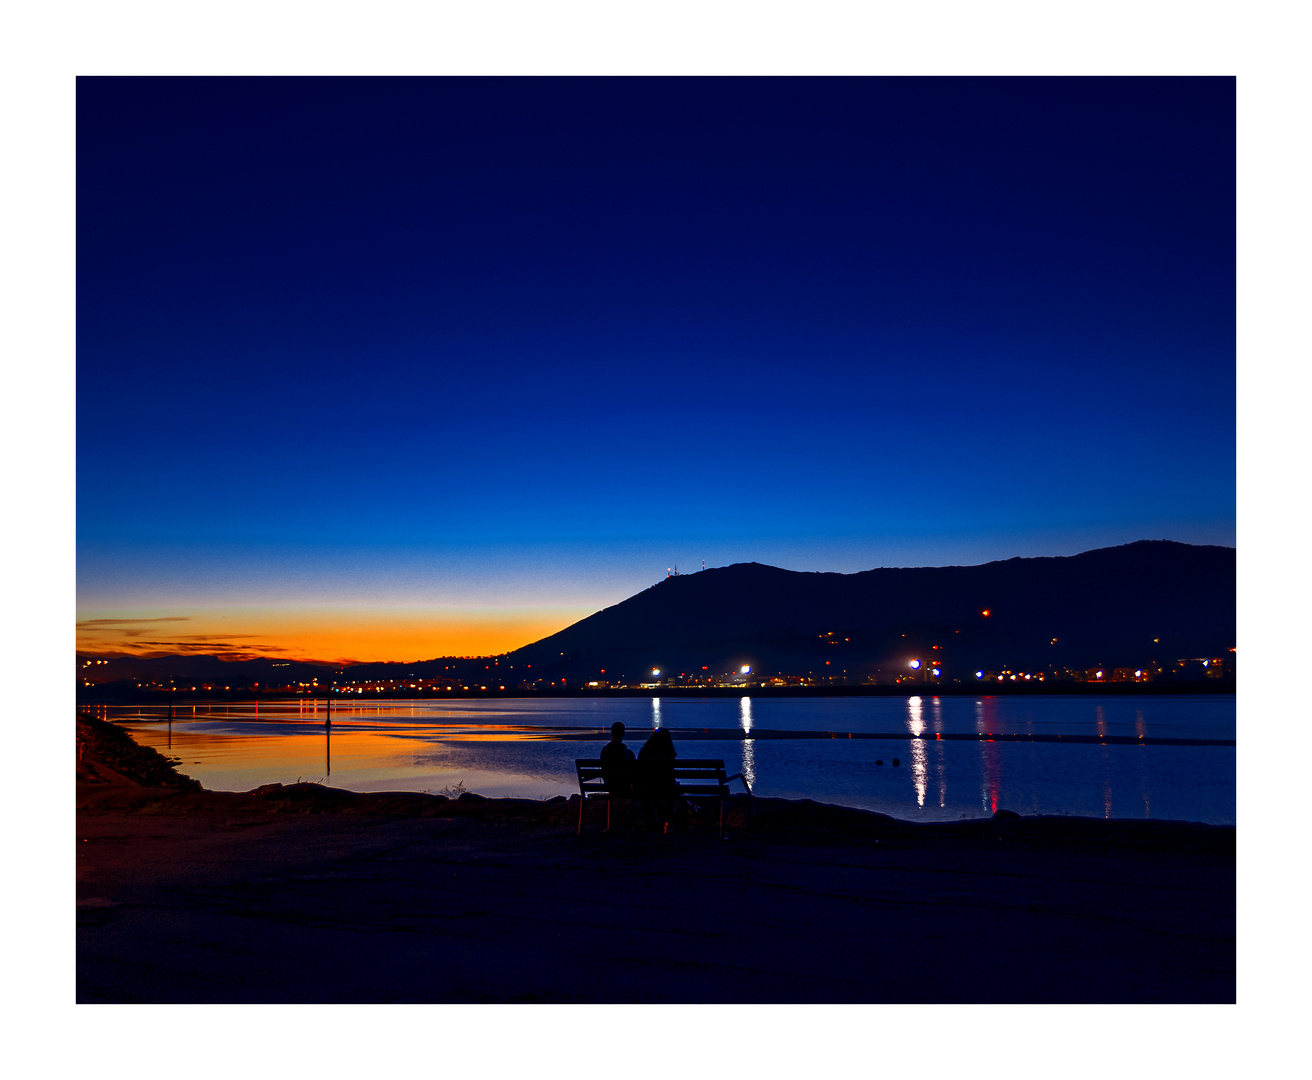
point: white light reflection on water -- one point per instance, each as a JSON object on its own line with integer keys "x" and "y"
{"x": 749, "y": 750}
{"x": 919, "y": 759}
{"x": 940, "y": 759}
{"x": 655, "y": 712}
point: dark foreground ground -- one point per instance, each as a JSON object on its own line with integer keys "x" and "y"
{"x": 309, "y": 894}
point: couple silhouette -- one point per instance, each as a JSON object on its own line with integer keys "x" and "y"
{"x": 649, "y": 777}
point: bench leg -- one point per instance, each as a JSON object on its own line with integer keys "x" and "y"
{"x": 721, "y": 817}
{"x": 582, "y": 800}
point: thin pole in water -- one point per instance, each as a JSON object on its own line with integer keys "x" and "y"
{"x": 327, "y": 735}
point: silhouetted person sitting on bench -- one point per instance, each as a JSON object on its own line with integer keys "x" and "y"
{"x": 656, "y": 784}
{"x": 618, "y": 765}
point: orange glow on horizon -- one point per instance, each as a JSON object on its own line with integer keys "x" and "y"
{"x": 334, "y": 636}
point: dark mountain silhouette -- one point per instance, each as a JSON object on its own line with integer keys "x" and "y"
{"x": 1153, "y": 601}
{"x": 1120, "y": 606}
{"x": 205, "y": 668}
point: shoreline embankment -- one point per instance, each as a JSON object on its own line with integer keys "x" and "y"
{"x": 302, "y": 893}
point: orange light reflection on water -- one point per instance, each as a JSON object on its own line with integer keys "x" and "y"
{"x": 354, "y": 753}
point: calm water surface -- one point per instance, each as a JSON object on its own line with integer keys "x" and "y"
{"x": 816, "y": 748}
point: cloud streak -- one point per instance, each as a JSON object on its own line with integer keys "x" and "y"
{"x": 218, "y": 648}
{"x": 127, "y": 637}
{"x": 94, "y": 625}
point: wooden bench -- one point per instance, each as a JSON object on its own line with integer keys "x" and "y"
{"x": 696, "y": 778}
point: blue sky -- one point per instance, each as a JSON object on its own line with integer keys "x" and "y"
{"x": 507, "y": 348}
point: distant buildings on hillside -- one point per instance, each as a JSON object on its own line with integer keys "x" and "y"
{"x": 919, "y": 672}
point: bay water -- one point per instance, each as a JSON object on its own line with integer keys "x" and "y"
{"x": 919, "y": 758}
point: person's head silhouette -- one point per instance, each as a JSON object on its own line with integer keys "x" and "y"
{"x": 659, "y": 744}
{"x": 617, "y": 732}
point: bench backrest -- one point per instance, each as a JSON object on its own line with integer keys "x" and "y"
{"x": 695, "y": 776}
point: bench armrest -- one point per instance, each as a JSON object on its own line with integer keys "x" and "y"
{"x": 738, "y": 776}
